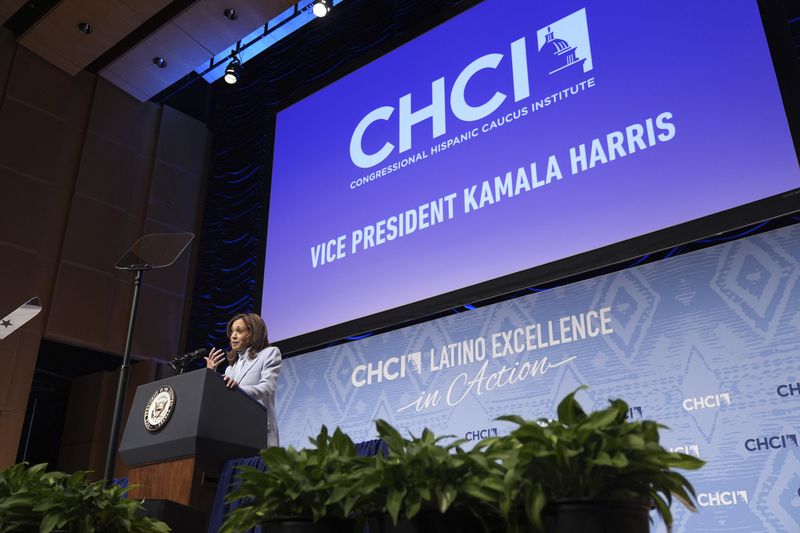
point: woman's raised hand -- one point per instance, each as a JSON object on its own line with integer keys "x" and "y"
{"x": 214, "y": 359}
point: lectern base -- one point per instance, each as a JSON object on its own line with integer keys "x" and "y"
{"x": 180, "y": 518}
{"x": 183, "y": 481}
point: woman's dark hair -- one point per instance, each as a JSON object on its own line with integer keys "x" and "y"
{"x": 258, "y": 333}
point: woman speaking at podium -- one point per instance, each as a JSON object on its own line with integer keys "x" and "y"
{"x": 253, "y": 365}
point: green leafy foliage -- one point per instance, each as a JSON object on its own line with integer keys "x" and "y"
{"x": 421, "y": 473}
{"x": 297, "y": 483}
{"x": 330, "y": 481}
{"x": 595, "y": 456}
{"x": 509, "y": 479}
{"x": 34, "y": 500}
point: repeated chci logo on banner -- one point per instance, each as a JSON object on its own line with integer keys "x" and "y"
{"x": 707, "y": 343}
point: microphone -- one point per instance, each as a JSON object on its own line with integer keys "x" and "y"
{"x": 182, "y": 361}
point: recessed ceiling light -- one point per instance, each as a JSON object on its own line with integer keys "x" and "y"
{"x": 231, "y": 14}
{"x": 85, "y": 27}
{"x": 160, "y": 62}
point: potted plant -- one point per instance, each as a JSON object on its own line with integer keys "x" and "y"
{"x": 32, "y": 499}
{"x": 419, "y": 485}
{"x": 588, "y": 472}
{"x": 294, "y": 493}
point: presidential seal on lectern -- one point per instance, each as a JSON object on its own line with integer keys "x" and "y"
{"x": 159, "y": 408}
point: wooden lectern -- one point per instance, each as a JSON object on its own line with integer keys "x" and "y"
{"x": 180, "y": 432}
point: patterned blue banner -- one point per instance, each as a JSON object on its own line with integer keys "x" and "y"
{"x": 707, "y": 343}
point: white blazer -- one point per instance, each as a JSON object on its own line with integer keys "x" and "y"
{"x": 258, "y": 378}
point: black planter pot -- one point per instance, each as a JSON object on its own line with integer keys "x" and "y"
{"x": 426, "y": 522}
{"x": 585, "y": 516}
{"x": 306, "y": 526}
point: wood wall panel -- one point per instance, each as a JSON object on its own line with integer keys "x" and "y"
{"x": 113, "y": 173}
{"x": 15, "y": 394}
{"x": 173, "y": 207}
{"x": 85, "y": 438}
{"x": 160, "y": 315}
{"x": 32, "y": 207}
{"x": 19, "y": 360}
{"x": 23, "y": 275}
{"x": 120, "y": 311}
{"x": 10, "y": 425}
{"x": 163, "y": 302}
{"x": 7, "y": 48}
{"x": 35, "y": 143}
{"x": 41, "y": 85}
{"x": 98, "y": 234}
{"x": 8, "y": 350}
{"x": 121, "y": 118}
{"x": 105, "y": 220}
{"x": 183, "y": 142}
{"x": 84, "y": 433}
{"x": 171, "y": 279}
{"x": 40, "y": 139}
{"x": 169, "y": 203}
{"x": 81, "y": 306}
{"x": 85, "y": 174}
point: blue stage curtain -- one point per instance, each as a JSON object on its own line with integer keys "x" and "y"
{"x": 371, "y": 447}
{"x": 121, "y": 482}
{"x": 228, "y": 483}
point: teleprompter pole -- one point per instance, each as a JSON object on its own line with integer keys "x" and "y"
{"x": 122, "y": 385}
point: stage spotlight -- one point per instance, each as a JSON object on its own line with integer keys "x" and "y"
{"x": 321, "y": 7}
{"x": 232, "y": 71}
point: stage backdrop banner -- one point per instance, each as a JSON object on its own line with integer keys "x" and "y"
{"x": 707, "y": 343}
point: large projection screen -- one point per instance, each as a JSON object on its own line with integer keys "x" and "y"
{"x": 514, "y": 137}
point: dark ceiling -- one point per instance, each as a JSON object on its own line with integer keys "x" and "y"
{"x": 120, "y": 40}
{"x": 128, "y": 35}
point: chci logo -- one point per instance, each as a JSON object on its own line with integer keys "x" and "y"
{"x": 478, "y": 434}
{"x": 688, "y": 449}
{"x": 564, "y": 45}
{"x": 775, "y": 442}
{"x": 722, "y": 498}
{"x": 707, "y": 402}
{"x": 159, "y": 408}
{"x": 563, "y": 57}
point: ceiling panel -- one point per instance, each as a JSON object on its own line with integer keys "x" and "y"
{"x": 135, "y": 68}
{"x": 146, "y": 8}
{"x": 206, "y": 24}
{"x": 57, "y": 39}
{"x": 113, "y": 78}
{"x": 127, "y": 34}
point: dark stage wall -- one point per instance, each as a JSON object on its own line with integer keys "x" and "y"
{"x": 85, "y": 170}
